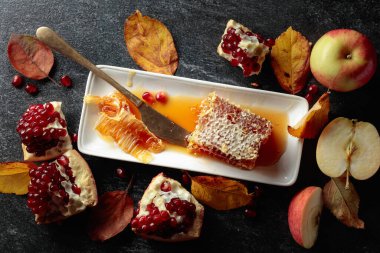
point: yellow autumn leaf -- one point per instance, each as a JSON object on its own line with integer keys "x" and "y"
{"x": 14, "y": 177}
{"x": 220, "y": 193}
{"x": 290, "y": 59}
{"x": 315, "y": 119}
{"x": 150, "y": 44}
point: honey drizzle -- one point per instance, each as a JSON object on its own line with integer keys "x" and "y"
{"x": 183, "y": 110}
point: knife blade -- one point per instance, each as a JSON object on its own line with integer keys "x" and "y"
{"x": 157, "y": 123}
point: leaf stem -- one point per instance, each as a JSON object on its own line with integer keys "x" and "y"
{"x": 54, "y": 81}
{"x": 130, "y": 184}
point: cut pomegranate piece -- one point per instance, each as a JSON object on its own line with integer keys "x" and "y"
{"x": 168, "y": 212}
{"x": 243, "y": 48}
{"x": 58, "y": 190}
{"x": 43, "y": 132}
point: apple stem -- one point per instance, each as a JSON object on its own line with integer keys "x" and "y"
{"x": 347, "y": 186}
{"x": 130, "y": 184}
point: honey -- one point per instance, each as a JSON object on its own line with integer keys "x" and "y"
{"x": 183, "y": 110}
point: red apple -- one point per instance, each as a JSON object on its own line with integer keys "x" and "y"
{"x": 343, "y": 60}
{"x": 303, "y": 215}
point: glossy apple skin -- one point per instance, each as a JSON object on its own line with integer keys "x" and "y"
{"x": 343, "y": 60}
{"x": 296, "y": 212}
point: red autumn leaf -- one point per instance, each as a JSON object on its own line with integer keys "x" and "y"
{"x": 29, "y": 56}
{"x": 112, "y": 214}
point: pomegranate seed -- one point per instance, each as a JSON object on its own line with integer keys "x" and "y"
{"x": 136, "y": 212}
{"x": 313, "y": 89}
{"x": 250, "y": 213}
{"x": 17, "y": 81}
{"x": 142, "y": 220}
{"x": 66, "y": 81}
{"x": 74, "y": 138}
{"x": 76, "y": 189}
{"x": 120, "y": 172}
{"x": 152, "y": 227}
{"x": 259, "y": 38}
{"x": 164, "y": 215}
{"x": 185, "y": 179}
{"x": 155, "y": 211}
{"x": 162, "y": 97}
{"x": 234, "y": 62}
{"x": 148, "y": 97}
{"x": 173, "y": 222}
{"x": 156, "y": 219}
{"x": 181, "y": 210}
{"x": 269, "y": 42}
{"x": 249, "y": 33}
{"x": 63, "y": 160}
{"x": 144, "y": 228}
{"x": 135, "y": 223}
{"x": 309, "y": 98}
{"x": 231, "y": 30}
{"x": 149, "y": 219}
{"x": 31, "y": 89}
{"x": 166, "y": 186}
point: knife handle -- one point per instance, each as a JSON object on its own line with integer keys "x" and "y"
{"x": 53, "y": 40}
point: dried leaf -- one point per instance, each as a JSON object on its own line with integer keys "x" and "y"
{"x": 150, "y": 44}
{"x": 14, "y": 177}
{"x": 342, "y": 202}
{"x": 29, "y": 56}
{"x": 220, "y": 193}
{"x": 112, "y": 214}
{"x": 290, "y": 60}
{"x": 315, "y": 119}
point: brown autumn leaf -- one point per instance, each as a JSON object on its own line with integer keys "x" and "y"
{"x": 112, "y": 214}
{"x": 290, "y": 59}
{"x": 343, "y": 202}
{"x": 315, "y": 119}
{"x": 30, "y": 56}
{"x": 150, "y": 44}
{"x": 220, "y": 193}
{"x": 14, "y": 177}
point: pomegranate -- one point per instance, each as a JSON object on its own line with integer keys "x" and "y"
{"x": 62, "y": 188}
{"x": 168, "y": 212}
{"x": 243, "y": 48}
{"x": 43, "y": 132}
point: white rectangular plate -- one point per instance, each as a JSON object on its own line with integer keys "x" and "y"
{"x": 283, "y": 173}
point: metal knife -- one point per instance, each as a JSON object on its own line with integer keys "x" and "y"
{"x": 158, "y": 124}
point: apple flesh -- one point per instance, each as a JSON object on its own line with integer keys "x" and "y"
{"x": 349, "y": 145}
{"x": 303, "y": 215}
{"x": 343, "y": 60}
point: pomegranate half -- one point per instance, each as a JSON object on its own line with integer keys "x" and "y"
{"x": 62, "y": 188}
{"x": 168, "y": 212}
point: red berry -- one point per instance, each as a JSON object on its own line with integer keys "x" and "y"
{"x": 66, "y": 81}
{"x": 31, "y": 89}
{"x": 313, "y": 89}
{"x": 250, "y": 213}
{"x": 309, "y": 98}
{"x": 120, "y": 172}
{"x": 148, "y": 97}
{"x": 162, "y": 97}
{"x": 17, "y": 81}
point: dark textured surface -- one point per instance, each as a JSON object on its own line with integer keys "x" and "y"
{"x": 96, "y": 29}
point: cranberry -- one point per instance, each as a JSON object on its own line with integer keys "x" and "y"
{"x": 166, "y": 186}
{"x": 66, "y": 81}
{"x": 17, "y": 81}
{"x": 120, "y": 172}
{"x": 162, "y": 97}
{"x": 31, "y": 89}
{"x": 250, "y": 213}
{"x": 269, "y": 42}
{"x": 148, "y": 97}
{"x": 313, "y": 89}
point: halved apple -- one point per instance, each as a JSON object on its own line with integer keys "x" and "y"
{"x": 349, "y": 145}
{"x": 303, "y": 215}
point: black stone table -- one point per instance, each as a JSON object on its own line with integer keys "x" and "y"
{"x": 95, "y": 28}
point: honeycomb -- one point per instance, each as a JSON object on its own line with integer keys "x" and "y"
{"x": 228, "y": 132}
